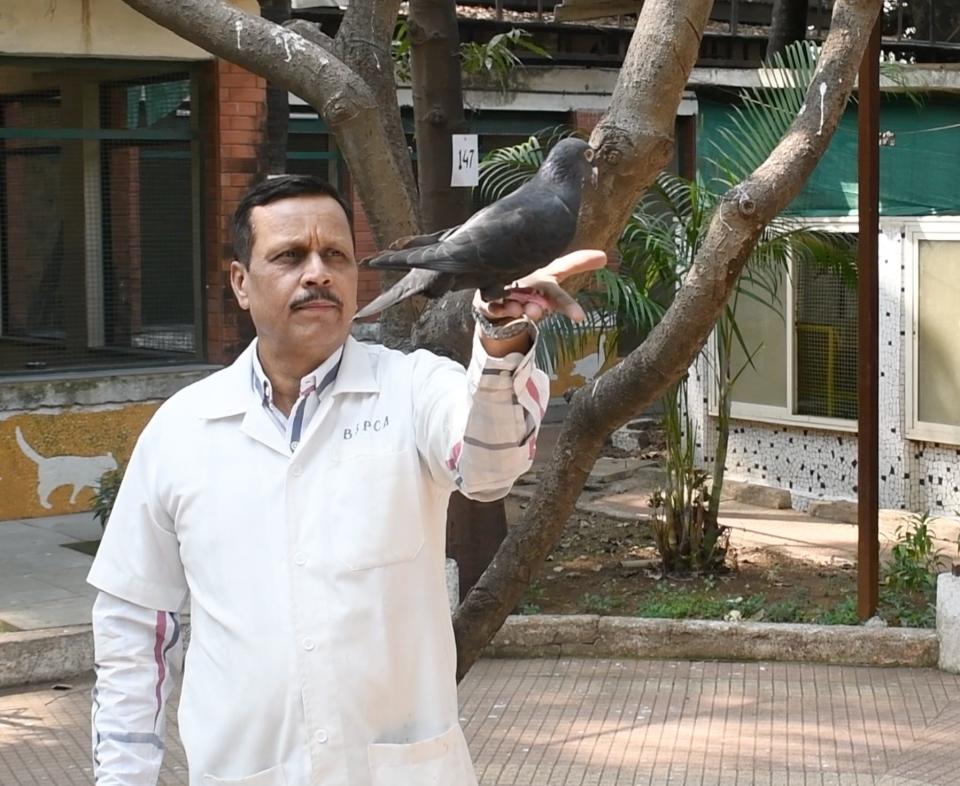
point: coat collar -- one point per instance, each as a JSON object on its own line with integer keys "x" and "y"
{"x": 230, "y": 391}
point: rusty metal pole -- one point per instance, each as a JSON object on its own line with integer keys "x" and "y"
{"x": 868, "y": 366}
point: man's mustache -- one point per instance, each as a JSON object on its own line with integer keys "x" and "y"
{"x": 317, "y": 293}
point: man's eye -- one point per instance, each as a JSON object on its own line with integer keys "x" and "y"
{"x": 334, "y": 252}
{"x": 288, "y": 254}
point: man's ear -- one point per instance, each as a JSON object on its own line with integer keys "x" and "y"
{"x": 239, "y": 276}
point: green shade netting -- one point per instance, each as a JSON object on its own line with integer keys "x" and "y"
{"x": 919, "y": 176}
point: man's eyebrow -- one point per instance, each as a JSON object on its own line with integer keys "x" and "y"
{"x": 283, "y": 243}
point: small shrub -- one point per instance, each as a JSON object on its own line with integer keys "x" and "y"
{"x": 910, "y": 578}
{"x": 105, "y": 495}
{"x": 668, "y": 602}
{"x": 792, "y": 609}
{"x": 842, "y": 613}
{"x": 592, "y": 603}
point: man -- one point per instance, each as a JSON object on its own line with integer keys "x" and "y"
{"x": 299, "y": 496}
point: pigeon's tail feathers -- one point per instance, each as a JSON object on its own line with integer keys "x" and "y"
{"x": 416, "y": 282}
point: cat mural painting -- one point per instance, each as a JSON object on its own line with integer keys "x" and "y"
{"x": 309, "y": 541}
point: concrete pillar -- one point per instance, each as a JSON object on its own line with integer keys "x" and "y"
{"x": 948, "y": 620}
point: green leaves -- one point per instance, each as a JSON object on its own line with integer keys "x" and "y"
{"x": 497, "y": 58}
{"x": 765, "y": 113}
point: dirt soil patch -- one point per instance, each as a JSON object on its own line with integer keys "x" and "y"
{"x": 603, "y": 565}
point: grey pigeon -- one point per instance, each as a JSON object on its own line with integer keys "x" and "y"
{"x": 507, "y": 240}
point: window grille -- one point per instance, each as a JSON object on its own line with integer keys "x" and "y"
{"x": 99, "y": 257}
{"x": 825, "y": 325}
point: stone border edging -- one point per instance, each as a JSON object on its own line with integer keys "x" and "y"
{"x": 47, "y": 655}
{"x": 633, "y": 637}
{"x": 57, "y": 654}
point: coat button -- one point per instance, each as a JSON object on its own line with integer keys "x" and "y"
{"x": 320, "y": 736}
{"x": 308, "y": 644}
{"x": 300, "y": 558}
{"x": 297, "y": 471}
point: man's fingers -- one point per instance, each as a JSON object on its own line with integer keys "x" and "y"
{"x": 580, "y": 261}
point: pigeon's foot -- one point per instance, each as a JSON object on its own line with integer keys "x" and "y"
{"x": 526, "y": 295}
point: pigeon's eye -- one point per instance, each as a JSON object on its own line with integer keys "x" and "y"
{"x": 589, "y": 154}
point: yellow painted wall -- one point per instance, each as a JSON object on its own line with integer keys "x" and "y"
{"x": 575, "y": 373}
{"x": 66, "y": 452}
{"x": 91, "y": 28}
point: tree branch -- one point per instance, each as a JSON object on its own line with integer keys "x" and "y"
{"x": 667, "y": 353}
{"x": 334, "y": 89}
{"x": 312, "y": 32}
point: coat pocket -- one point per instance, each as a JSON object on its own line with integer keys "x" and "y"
{"x": 376, "y": 510}
{"x": 271, "y": 777}
{"x": 443, "y": 760}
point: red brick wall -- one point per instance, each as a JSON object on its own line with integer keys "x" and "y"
{"x": 368, "y": 285}
{"x": 233, "y": 103}
{"x": 585, "y": 120}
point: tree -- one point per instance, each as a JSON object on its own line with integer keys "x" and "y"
{"x": 274, "y": 153}
{"x": 347, "y": 82}
{"x": 788, "y": 23}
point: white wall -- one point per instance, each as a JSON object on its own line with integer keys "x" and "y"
{"x": 820, "y": 463}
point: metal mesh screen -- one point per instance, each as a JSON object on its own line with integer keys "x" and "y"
{"x": 825, "y": 325}
{"x": 98, "y": 259}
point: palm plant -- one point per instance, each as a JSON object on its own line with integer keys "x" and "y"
{"x": 657, "y": 249}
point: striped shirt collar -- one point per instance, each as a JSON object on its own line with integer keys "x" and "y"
{"x": 312, "y": 388}
{"x": 231, "y": 390}
{"x": 316, "y": 381}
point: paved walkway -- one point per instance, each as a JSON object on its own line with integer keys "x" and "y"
{"x": 617, "y": 723}
{"x": 42, "y": 583}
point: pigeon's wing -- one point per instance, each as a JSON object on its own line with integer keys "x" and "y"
{"x": 509, "y": 236}
{"x": 416, "y": 241}
{"x": 393, "y": 258}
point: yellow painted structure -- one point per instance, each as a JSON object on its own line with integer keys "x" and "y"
{"x": 91, "y": 28}
{"x": 50, "y": 461}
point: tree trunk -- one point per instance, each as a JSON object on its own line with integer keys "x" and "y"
{"x": 474, "y": 529}
{"x": 438, "y": 110}
{"x": 273, "y": 153}
{"x": 788, "y": 23}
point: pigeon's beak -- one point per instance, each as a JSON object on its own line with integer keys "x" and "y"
{"x": 594, "y": 176}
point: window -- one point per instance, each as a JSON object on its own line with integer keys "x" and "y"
{"x": 99, "y": 243}
{"x": 802, "y": 345}
{"x": 933, "y": 358}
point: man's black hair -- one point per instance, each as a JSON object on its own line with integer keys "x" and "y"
{"x": 272, "y": 190}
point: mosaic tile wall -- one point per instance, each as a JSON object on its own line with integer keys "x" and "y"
{"x": 814, "y": 463}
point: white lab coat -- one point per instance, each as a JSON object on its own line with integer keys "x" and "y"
{"x": 321, "y": 648}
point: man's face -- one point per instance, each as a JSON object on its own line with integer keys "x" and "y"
{"x": 301, "y": 284}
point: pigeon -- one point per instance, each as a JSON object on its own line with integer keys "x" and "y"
{"x": 505, "y": 241}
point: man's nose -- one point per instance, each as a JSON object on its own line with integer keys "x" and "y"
{"x": 315, "y": 271}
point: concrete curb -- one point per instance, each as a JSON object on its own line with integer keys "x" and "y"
{"x": 630, "y": 637}
{"x": 47, "y": 655}
{"x": 58, "y": 654}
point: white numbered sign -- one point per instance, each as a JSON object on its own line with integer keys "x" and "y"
{"x": 466, "y": 163}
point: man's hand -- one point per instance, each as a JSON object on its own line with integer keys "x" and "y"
{"x": 540, "y": 293}
{"x": 535, "y": 296}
